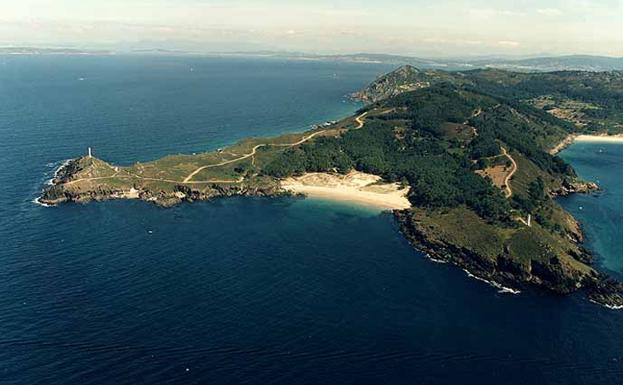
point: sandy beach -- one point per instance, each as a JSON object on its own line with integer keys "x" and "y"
{"x": 600, "y": 138}
{"x": 355, "y": 187}
{"x": 569, "y": 140}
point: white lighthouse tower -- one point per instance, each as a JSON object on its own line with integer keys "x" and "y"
{"x": 89, "y": 151}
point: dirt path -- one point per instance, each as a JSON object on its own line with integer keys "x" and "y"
{"x": 360, "y": 123}
{"x": 360, "y": 120}
{"x": 507, "y": 180}
{"x": 197, "y": 171}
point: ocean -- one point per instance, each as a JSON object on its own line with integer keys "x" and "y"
{"x": 251, "y": 290}
{"x": 600, "y": 213}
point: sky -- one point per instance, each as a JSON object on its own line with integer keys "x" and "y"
{"x": 433, "y": 28}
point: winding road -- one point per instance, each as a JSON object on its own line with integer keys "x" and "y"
{"x": 507, "y": 180}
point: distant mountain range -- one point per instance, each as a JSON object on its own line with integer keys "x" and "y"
{"x": 558, "y": 63}
{"x": 547, "y": 63}
{"x": 50, "y": 51}
{"x": 541, "y": 64}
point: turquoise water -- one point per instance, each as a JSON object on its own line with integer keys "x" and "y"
{"x": 239, "y": 291}
{"x": 601, "y": 214}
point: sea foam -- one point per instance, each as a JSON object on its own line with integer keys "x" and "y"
{"x": 501, "y": 289}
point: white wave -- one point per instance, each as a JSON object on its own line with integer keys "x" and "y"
{"x": 435, "y": 259}
{"x": 38, "y": 202}
{"x": 501, "y": 289}
{"x": 611, "y": 307}
{"x": 50, "y": 181}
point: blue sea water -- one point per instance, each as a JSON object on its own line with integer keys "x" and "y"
{"x": 601, "y": 213}
{"x": 248, "y": 291}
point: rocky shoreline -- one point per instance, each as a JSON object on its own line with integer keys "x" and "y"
{"x": 575, "y": 187}
{"x": 162, "y": 199}
{"x": 568, "y": 141}
{"x": 503, "y": 272}
{"x": 57, "y": 193}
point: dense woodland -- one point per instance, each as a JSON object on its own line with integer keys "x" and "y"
{"x": 410, "y": 145}
{"x": 603, "y": 90}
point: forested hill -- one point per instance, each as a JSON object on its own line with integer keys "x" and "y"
{"x": 589, "y": 101}
{"x": 438, "y": 139}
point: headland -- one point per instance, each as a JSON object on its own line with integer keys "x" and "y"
{"x": 465, "y": 160}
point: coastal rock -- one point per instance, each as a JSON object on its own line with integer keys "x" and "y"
{"x": 576, "y": 187}
{"x": 606, "y": 291}
{"x": 555, "y": 277}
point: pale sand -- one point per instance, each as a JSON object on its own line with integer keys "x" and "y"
{"x": 355, "y": 187}
{"x": 585, "y": 138}
{"x": 600, "y": 138}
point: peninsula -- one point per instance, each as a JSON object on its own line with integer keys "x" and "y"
{"x": 465, "y": 159}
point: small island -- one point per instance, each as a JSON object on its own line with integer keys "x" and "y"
{"x": 466, "y": 161}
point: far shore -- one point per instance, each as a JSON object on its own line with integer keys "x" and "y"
{"x": 355, "y": 187}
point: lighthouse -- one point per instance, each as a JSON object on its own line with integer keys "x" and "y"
{"x": 89, "y": 151}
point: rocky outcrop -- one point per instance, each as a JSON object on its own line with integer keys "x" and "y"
{"x": 575, "y": 187}
{"x": 69, "y": 169}
{"x": 57, "y": 194}
{"x": 186, "y": 194}
{"x": 65, "y": 188}
{"x": 606, "y": 291}
{"x": 505, "y": 271}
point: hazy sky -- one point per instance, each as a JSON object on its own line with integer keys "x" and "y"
{"x": 415, "y": 27}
